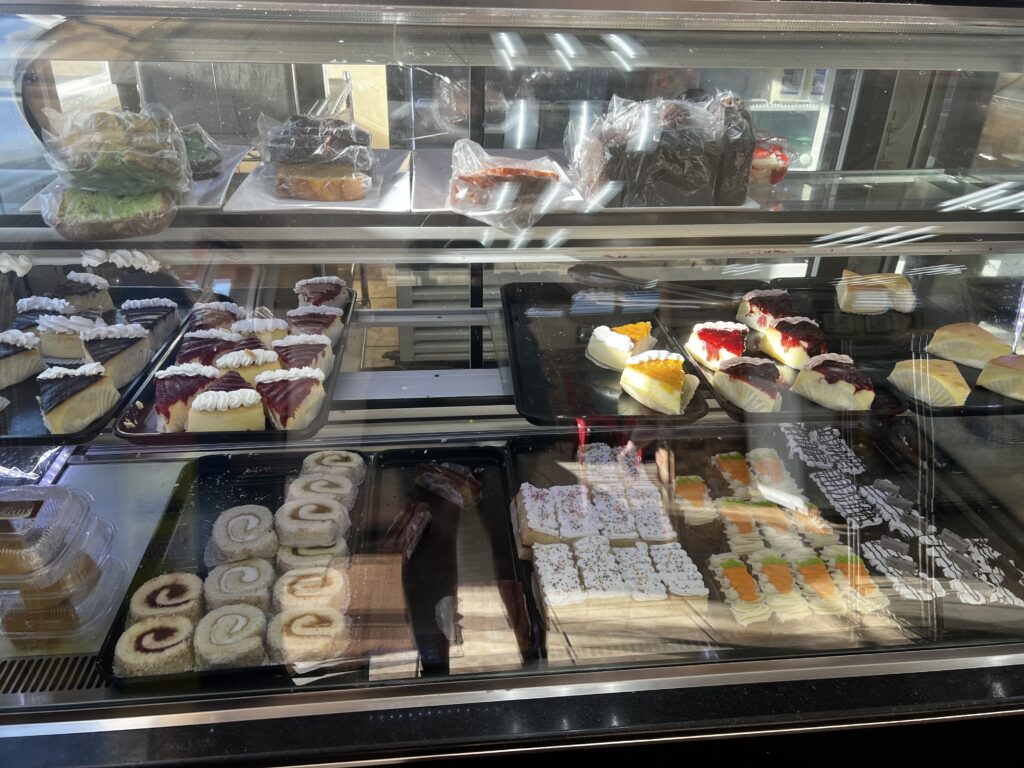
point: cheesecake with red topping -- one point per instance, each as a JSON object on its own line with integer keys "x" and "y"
{"x": 759, "y": 308}
{"x": 714, "y": 343}
{"x": 793, "y": 341}
{"x": 750, "y": 383}
{"x": 834, "y": 382}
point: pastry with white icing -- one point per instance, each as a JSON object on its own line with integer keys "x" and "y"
{"x": 19, "y": 357}
{"x": 30, "y": 309}
{"x": 20, "y": 265}
{"x": 60, "y": 335}
{"x": 758, "y": 309}
{"x": 249, "y": 363}
{"x": 85, "y": 291}
{"x": 73, "y": 398}
{"x": 228, "y": 404}
{"x": 714, "y": 343}
{"x": 266, "y": 329}
{"x": 124, "y": 350}
{"x": 204, "y": 347}
{"x": 214, "y": 314}
{"x": 158, "y": 316}
{"x": 750, "y": 383}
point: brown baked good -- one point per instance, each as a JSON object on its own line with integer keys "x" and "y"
{"x": 83, "y": 575}
{"x": 475, "y": 189}
{"x": 326, "y": 183}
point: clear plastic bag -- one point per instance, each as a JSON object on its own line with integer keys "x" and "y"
{"x": 771, "y": 161}
{"x": 508, "y": 194}
{"x": 204, "y": 154}
{"x": 738, "y": 142}
{"x": 118, "y": 152}
{"x": 660, "y": 152}
{"x": 80, "y": 214}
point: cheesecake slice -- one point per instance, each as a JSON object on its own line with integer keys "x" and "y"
{"x": 327, "y": 291}
{"x": 73, "y": 398}
{"x": 267, "y": 330}
{"x": 30, "y": 309}
{"x": 1003, "y": 375}
{"x": 292, "y": 397}
{"x": 158, "y": 316}
{"x": 84, "y": 290}
{"x": 205, "y": 346}
{"x": 249, "y": 363}
{"x": 327, "y": 321}
{"x": 214, "y": 314}
{"x": 60, "y": 335}
{"x": 228, "y": 404}
{"x": 123, "y": 349}
{"x": 750, "y": 383}
{"x": 247, "y": 342}
{"x": 176, "y": 388}
{"x": 656, "y": 379}
{"x": 19, "y": 357}
{"x": 714, "y": 343}
{"x": 611, "y": 347}
{"x": 834, "y": 382}
{"x": 306, "y": 350}
{"x": 793, "y": 341}
{"x": 759, "y": 308}
{"x": 935, "y": 382}
{"x": 967, "y": 344}
{"x": 874, "y": 294}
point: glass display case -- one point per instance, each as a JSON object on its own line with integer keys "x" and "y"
{"x": 386, "y": 383}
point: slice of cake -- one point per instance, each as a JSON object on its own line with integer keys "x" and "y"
{"x": 306, "y": 350}
{"x": 176, "y": 388}
{"x": 124, "y": 350}
{"x": 228, "y": 404}
{"x": 293, "y": 397}
{"x": 19, "y": 357}
{"x": 204, "y": 347}
{"x": 714, "y": 343}
{"x": 249, "y": 363}
{"x": 327, "y": 321}
{"x": 30, "y": 309}
{"x": 326, "y": 291}
{"x": 158, "y": 316}
{"x": 1004, "y": 375}
{"x": 266, "y": 329}
{"x": 611, "y": 347}
{"x": 214, "y": 314}
{"x": 935, "y": 382}
{"x": 692, "y": 497}
{"x": 84, "y": 290}
{"x": 60, "y": 338}
{"x": 793, "y": 341}
{"x": 751, "y": 383}
{"x": 73, "y": 398}
{"x": 967, "y": 344}
{"x": 657, "y": 380}
{"x": 834, "y": 382}
{"x": 759, "y": 308}
{"x": 874, "y": 294}
{"x": 247, "y": 342}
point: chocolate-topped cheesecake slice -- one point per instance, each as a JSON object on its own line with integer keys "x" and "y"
{"x": 205, "y": 346}
{"x": 32, "y": 308}
{"x": 73, "y": 398}
{"x": 176, "y": 388}
{"x": 214, "y": 314}
{"x": 247, "y": 342}
{"x": 308, "y": 350}
{"x": 326, "y": 321}
{"x": 84, "y": 291}
{"x": 19, "y": 357}
{"x": 123, "y": 349}
{"x": 327, "y": 291}
{"x": 158, "y": 316}
{"x": 293, "y": 397}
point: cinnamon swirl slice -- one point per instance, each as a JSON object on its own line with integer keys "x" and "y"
{"x": 312, "y": 521}
{"x": 308, "y": 634}
{"x": 159, "y": 645}
{"x": 247, "y": 581}
{"x": 231, "y": 636}
{"x": 339, "y": 488}
{"x": 240, "y": 533}
{"x": 312, "y": 588}
{"x": 344, "y": 463}
{"x": 173, "y": 594}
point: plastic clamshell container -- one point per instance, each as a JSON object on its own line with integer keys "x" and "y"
{"x": 66, "y": 622}
{"x": 33, "y": 539}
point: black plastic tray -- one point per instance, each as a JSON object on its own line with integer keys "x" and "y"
{"x": 207, "y": 486}
{"x": 137, "y": 421}
{"x": 21, "y": 422}
{"x": 431, "y": 573}
{"x": 548, "y": 327}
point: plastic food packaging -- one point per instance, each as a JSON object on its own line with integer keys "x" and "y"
{"x": 79, "y": 214}
{"x": 660, "y": 152}
{"x": 117, "y": 152}
{"x": 39, "y": 525}
{"x": 738, "y": 144}
{"x": 771, "y": 161}
{"x": 204, "y": 154}
{"x": 508, "y": 194}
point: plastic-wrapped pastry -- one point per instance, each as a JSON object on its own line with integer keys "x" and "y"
{"x": 874, "y": 294}
{"x": 312, "y": 588}
{"x": 172, "y": 594}
{"x": 293, "y": 558}
{"x": 760, "y": 308}
{"x": 345, "y": 463}
{"x": 308, "y": 634}
{"x": 159, "y": 645}
{"x": 247, "y": 581}
{"x": 311, "y": 521}
{"x": 19, "y": 357}
{"x": 243, "y": 532}
{"x": 339, "y": 488}
{"x": 1004, "y": 375}
{"x": 231, "y": 637}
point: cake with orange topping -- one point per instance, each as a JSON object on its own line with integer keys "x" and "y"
{"x": 657, "y": 380}
{"x": 611, "y": 347}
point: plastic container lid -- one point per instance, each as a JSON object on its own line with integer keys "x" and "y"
{"x": 38, "y": 525}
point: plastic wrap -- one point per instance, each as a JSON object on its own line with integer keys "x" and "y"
{"x": 508, "y": 194}
{"x": 738, "y": 143}
{"x": 116, "y": 152}
{"x": 204, "y": 154}
{"x": 771, "y": 161}
{"x": 78, "y": 214}
{"x": 660, "y": 152}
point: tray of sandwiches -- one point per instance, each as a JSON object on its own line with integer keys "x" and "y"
{"x": 71, "y": 359}
{"x": 596, "y": 356}
{"x": 255, "y": 376}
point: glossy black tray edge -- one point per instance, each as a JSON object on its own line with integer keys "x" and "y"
{"x": 696, "y": 409}
{"x": 150, "y": 565}
{"x": 146, "y": 393}
{"x": 128, "y": 395}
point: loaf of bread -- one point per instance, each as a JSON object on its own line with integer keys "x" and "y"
{"x": 81, "y": 215}
{"x": 327, "y": 183}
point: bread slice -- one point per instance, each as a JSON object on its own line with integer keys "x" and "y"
{"x": 1004, "y": 375}
{"x": 967, "y": 344}
{"x": 86, "y": 215}
{"x": 935, "y": 382}
{"x": 327, "y": 183}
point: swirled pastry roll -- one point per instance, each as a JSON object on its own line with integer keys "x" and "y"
{"x": 240, "y": 533}
{"x": 312, "y": 588}
{"x": 231, "y": 636}
{"x": 312, "y": 521}
{"x": 247, "y": 581}
{"x": 308, "y": 634}
{"x": 159, "y": 645}
{"x": 344, "y": 463}
{"x": 173, "y": 594}
{"x": 339, "y": 488}
{"x": 335, "y": 556}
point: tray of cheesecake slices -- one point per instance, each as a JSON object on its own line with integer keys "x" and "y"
{"x": 260, "y": 376}
{"x": 595, "y": 356}
{"x": 71, "y": 359}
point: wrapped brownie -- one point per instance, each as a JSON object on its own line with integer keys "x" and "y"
{"x": 738, "y": 142}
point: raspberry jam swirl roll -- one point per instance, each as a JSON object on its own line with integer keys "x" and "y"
{"x": 344, "y": 463}
{"x": 313, "y": 521}
{"x": 248, "y": 581}
{"x": 159, "y": 645}
{"x": 173, "y": 594}
{"x": 339, "y": 488}
{"x": 312, "y": 588}
{"x": 230, "y": 637}
{"x": 240, "y": 533}
{"x": 308, "y": 634}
